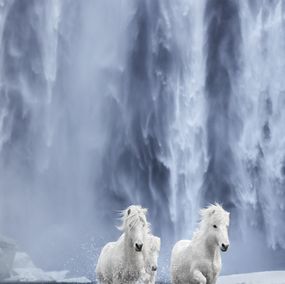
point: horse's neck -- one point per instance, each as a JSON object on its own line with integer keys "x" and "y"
{"x": 209, "y": 248}
{"x": 212, "y": 248}
{"x": 131, "y": 256}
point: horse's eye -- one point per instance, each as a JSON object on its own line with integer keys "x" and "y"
{"x": 215, "y": 226}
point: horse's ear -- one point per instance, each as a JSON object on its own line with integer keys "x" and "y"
{"x": 129, "y": 211}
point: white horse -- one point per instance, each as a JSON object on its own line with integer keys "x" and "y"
{"x": 151, "y": 253}
{"x": 123, "y": 261}
{"x": 199, "y": 261}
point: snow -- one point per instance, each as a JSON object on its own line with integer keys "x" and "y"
{"x": 24, "y": 270}
{"x": 268, "y": 277}
{"x": 77, "y": 280}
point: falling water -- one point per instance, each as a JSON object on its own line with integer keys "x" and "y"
{"x": 171, "y": 105}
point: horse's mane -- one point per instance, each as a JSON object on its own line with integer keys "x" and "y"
{"x": 213, "y": 213}
{"x": 131, "y": 216}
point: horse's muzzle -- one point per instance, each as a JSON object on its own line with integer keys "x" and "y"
{"x": 224, "y": 247}
{"x": 153, "y": 268}
{"x": 138, "y": 247}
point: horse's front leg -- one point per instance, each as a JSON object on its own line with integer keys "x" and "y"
{"x": 199, "y": 277}
{"x": 215, "y": 279}
{"x": 144, "y": 277}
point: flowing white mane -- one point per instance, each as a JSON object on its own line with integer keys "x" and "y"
{"x": 131, "y": 216}
{"x": 213, "y": 214}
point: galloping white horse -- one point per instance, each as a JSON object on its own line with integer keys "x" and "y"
{"x": 123, "y": 261}
{"x": 151, "y": 253}
{"x": 199, "y": 261}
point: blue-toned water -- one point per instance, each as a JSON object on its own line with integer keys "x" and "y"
{"x": 168, "y": 104}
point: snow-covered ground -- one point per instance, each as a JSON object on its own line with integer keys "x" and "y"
{"x": 268, "y": 277}
{"x": 25, "y": 270}
{"x": 30, "y": 274}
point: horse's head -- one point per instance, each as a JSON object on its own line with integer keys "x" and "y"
{"x": 152, "y": 253}
{"x": 217, "y": 223}
{"x": 135, "y": 226}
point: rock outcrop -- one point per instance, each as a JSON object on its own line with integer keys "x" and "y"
{"x": 7, "y": 255}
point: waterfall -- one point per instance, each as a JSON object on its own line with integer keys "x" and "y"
{"x": 168, "y": 104}
{"x": 261, "y": 99}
